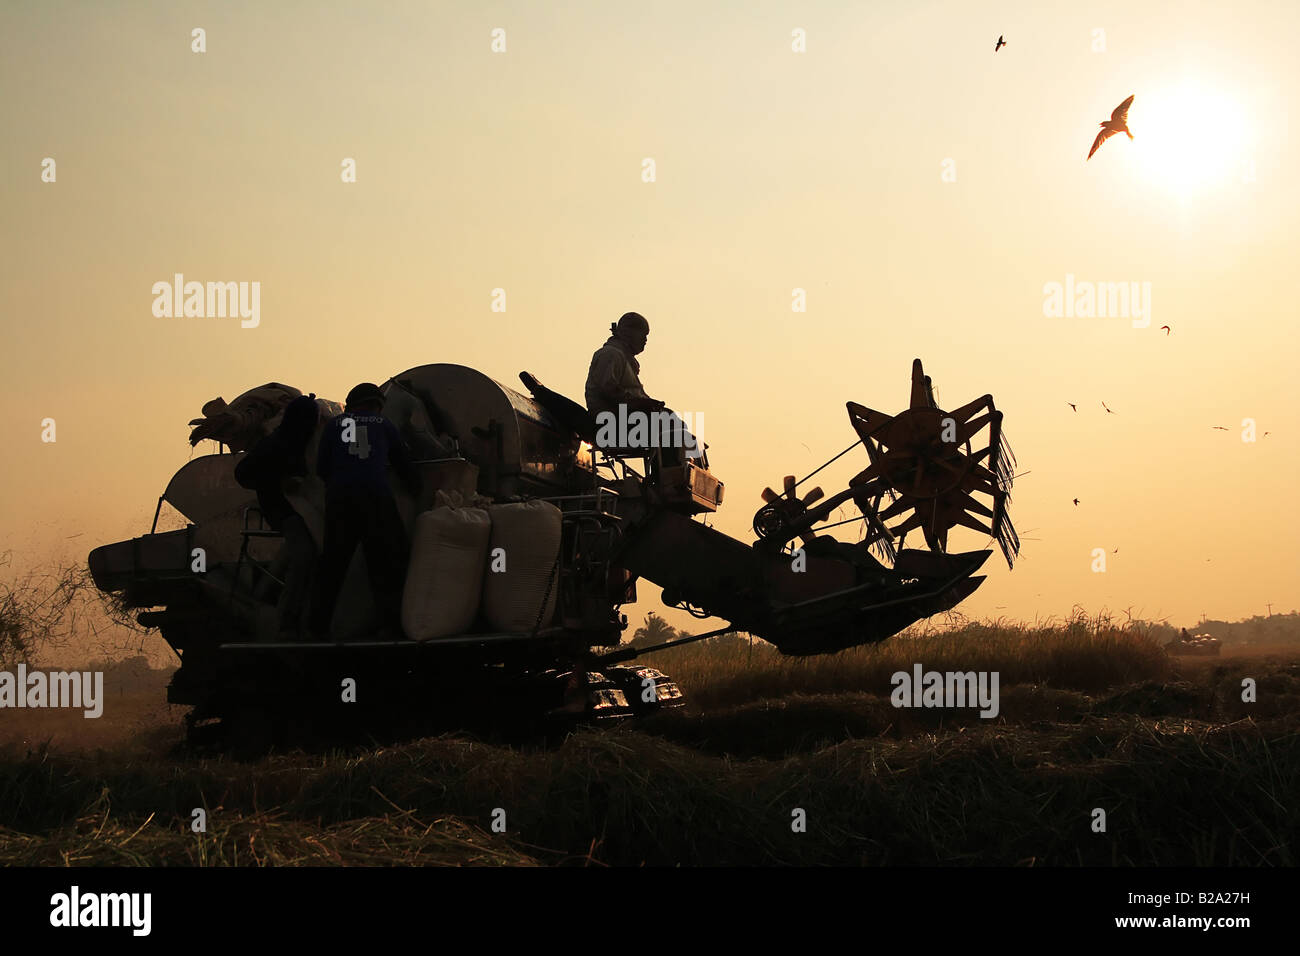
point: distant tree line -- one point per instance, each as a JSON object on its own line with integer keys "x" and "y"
{"x": 1260, "y": 629}
{"x": 656, "y": 630}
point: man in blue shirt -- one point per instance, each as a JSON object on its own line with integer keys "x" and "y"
{"x": 356, "y": 449}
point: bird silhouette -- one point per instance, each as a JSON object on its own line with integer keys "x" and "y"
{"x": 1166, "y": 329}
{"x": 1072, "y": 405}
{"x": 1118, "y": 123}
{"x": 999, "y": 45}
{"x": 1265, "y": 434}
{"x": 1076, "y": 502}
{"x": 1103, "y": 405}
{"x": 1222, "y": 428}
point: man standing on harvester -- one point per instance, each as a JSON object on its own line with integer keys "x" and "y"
{"x": 355, "y": 451}
{"x": 274, "y": 461}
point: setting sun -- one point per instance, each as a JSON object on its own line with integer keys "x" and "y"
{"x": 1191, "y": 136}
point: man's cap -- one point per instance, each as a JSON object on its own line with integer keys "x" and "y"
{"x": 632, "y": 322}
{"x": 365, "y": 392}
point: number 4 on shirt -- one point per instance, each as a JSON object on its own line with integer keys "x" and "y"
{"x": 360, "y": 446}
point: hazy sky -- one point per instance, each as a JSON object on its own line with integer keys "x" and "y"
{"x": 920, "y": 188}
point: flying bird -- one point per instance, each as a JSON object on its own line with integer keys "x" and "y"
{"x": 1221, "y": 428}
{"x": 1166, "y": 329}
{"x": 1118, "y": 123}
{"x": 1103, "y": 405}
{"x": 1076, "y": 502}
{"x": 1072, "y": 405}
{"x": 999, "y": 45}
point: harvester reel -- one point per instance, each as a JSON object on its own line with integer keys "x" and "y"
{"x": 923, "y": 458}
{"x": 925, "y": 462}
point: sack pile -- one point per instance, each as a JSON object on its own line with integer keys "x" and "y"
{"x": 473, "y": 560}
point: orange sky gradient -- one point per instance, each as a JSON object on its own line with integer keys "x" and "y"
{"x": 776, "y": 170}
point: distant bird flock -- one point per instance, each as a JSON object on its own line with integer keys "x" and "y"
{"x": 1118, "y": 123}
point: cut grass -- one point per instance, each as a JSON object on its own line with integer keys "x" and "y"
{"x": 1177, "y": 792}
{"x": 1187, "y": 773}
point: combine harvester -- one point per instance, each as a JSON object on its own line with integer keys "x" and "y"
{"x": 539, "y": 640}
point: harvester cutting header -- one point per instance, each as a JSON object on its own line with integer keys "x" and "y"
{"x": 527, "y": 532}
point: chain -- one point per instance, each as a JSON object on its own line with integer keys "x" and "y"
{"x": 550, "y": 583}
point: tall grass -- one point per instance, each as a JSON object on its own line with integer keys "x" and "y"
{"x": 1081, "y": 654}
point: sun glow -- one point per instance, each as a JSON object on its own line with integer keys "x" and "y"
{"x": 1190, "y": 137}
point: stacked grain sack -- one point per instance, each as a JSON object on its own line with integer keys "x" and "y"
{"x": 522, "y": 571}
{"x": 444, "y": 579}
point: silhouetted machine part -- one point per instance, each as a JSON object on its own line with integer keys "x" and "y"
{"x": 625, "y": 514}
{"x": 924, "y": 461}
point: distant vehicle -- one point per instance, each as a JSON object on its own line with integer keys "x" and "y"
{"x": 1199, "y": 645}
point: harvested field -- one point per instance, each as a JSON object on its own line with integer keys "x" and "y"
{"x": 1187, "y": 772}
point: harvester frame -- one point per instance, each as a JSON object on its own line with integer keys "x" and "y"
{"x": 619, "y": 523}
